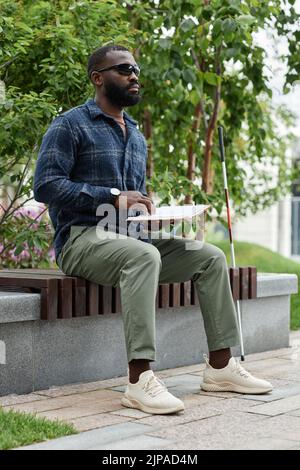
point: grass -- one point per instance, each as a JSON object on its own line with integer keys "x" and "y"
{"x": 249, "y": 254}
{"x": 20, "y": 429}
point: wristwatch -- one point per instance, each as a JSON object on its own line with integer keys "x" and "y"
{"x": 115, "y": 192}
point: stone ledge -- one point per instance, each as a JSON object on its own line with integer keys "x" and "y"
{"x": 19, "y": 306}
{"x": 274, "y": 284}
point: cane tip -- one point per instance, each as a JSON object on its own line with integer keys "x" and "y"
{"x": 242, "y": 358}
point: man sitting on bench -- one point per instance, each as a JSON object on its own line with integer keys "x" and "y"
{"x": 92, "y": 157}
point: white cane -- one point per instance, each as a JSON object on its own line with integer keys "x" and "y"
{"x": 222, "y": 155}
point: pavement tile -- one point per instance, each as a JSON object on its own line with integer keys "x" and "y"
{"x": 232, "y": 442}
{"x": 81, "y": 388}
{"x": 88, "y": 409}
{"x": 294, "y": 412}
{"x": 91, "y": 439}
{"x": 265, "y": 443}
{"x": 102, "y": 397}
{"x": 190, "y": 414}
{"x": 278, "y": 407}
{"x": 210, "y": 407}
{"x": 294, "y": 354}
{"x": 131, "y": 413}
{"x": 120, "y": 388}
{"x": 196, "y": 399}
{"x": 182, "y": 380}
{"x": 86, "y": 423}
{"x": 281, "y": 427}
{"x": 267, "y": 355}
{"x": 264, "y": 365}
{"x": 213, "y": 432}
{"x": 135, "y": 443}
{"x": 181, "y": 370}
{"x": 182, "y": 391}
{"x": 287, "y": 370}
{"x": 18, "y": 399}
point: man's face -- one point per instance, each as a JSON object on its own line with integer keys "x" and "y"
{"x": 120, "y": 90}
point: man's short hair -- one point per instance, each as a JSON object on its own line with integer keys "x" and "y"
{"x": 97, "y": 58}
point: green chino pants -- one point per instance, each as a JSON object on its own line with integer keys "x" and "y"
{"x": 138, "y": 267}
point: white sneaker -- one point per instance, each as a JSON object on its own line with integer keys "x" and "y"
{"x": 150, "y": 395}
{"x": 232, "y": 378}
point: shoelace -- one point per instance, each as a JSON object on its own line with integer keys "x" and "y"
{"x": 154, "y": 386}
{"x": 240, "y": 370}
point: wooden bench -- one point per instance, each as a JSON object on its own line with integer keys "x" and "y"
{"x": 67, "y": 297}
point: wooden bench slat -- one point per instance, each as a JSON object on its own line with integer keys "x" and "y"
{"x": 157, "y": 298}
{"x": 65, "y": 298}
{"x": 186, "y": 288}
{"x": 79, "y": 297}
{"x": 105, "y": 300}
{"x": 164, "y": 295}
{"x": 194, "y": 295}
{"x": 116, "y": 301}
{"x": 234, "y": 276}
{"x": 244, "y": 283}
{"x": 92, "y": 298}
{"x": 175, "y": 294}
{"x": 252, "y": 282}
{"x": 49, "y": 301}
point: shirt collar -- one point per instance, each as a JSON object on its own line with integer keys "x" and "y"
{"x": 96, "y": 111}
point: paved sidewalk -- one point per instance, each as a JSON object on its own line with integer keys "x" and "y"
{"x": 210, "y": 421}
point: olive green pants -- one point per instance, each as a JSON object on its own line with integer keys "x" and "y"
{"x": 138, "y": 267}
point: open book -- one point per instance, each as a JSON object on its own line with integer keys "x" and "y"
{"x": 184, "y": 212}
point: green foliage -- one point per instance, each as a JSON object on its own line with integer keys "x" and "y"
{"x": 188, "y": 50}
{"x": 208, "y": 46}
{"x": 43, "y": 53}
{"x": 25, "y": 238}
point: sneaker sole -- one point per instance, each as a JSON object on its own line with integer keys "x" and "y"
{"x": 213, "y": 387}
{"x": 130, "y": 403}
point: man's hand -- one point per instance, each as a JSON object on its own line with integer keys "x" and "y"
{"x": 135, "y": 197}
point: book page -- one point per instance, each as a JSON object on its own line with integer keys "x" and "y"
{"x": 187, "y": 211}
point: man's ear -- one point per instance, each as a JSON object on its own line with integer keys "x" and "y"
{"x": 97, "y": 78}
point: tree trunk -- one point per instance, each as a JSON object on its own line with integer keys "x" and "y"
{"x": 191, "y": 150}
{"x": 207, "y": 176}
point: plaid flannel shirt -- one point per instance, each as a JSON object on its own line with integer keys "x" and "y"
{"x": 82, "y": 156}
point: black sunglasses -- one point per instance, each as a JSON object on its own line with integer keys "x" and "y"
{"x": 123, "y": 69}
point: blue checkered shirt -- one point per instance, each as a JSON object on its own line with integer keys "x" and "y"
{"x": 82, "y": 156}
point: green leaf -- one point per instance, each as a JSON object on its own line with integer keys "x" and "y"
{"x": 187, "y": 25}
{"x": 217, "y": 26}
{"x": 189, "y": 76}
{"x": 165, "y": 43}
{"x": 18, "y": 250}
{"x": 211, "y": 78}
{"x": 246, "y": 19}
{"x": 228, "y": 25}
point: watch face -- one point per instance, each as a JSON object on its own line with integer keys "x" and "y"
{"x": 115, "y": 191}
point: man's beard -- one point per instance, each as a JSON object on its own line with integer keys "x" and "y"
{"x": 120, "y": 96}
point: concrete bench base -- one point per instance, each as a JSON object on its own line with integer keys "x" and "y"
{"x": 35, "y": 354}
